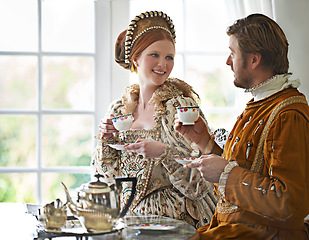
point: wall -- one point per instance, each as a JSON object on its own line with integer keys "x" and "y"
{"x": 120, "y": 76}
{"x": 293, "y": 17}
{"x": 110, "y": 76}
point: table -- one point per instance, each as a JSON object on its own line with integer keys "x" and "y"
{"x": 17, "y": 221}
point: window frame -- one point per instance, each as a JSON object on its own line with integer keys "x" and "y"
{"x": 111, "y": 18}
{"x": 102, "y": 91}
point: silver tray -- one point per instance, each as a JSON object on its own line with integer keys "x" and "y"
{"x": 72, "y": 227}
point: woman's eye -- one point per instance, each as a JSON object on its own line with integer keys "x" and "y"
{"x": 170, "y": 58}
{"x": 154, "y": 55}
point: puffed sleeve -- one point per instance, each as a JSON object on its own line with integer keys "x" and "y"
{"x": 188, "y": 181}
{"x": 104, "y": 158}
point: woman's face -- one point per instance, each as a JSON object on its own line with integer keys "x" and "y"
{"x": 156, "y": 62}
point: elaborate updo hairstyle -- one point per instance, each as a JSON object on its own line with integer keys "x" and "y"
{"x": 259, "y": 33}
{"x": 144, "y": 30}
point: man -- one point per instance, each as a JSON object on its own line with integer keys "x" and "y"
{"x": 263, "y": 174}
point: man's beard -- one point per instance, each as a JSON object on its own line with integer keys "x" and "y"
{"x": 245, "y": 82}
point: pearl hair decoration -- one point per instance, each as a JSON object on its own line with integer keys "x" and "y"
{"x": 141, "y": 24}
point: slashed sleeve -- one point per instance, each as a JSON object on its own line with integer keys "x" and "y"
{"x": 281, "y": 190}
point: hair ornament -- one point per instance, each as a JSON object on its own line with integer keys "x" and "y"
{"x": 142, "y": 24}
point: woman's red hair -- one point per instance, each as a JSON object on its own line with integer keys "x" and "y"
{"x": 145, "y": 41}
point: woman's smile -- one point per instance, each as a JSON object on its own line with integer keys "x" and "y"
{"x": 156, "y": 62}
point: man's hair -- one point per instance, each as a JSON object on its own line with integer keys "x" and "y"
{"x": 258, "y": 33}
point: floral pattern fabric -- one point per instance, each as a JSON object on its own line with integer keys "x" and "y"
{"x": 164, "y": 187}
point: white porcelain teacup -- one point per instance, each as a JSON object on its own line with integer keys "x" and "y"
{"x": 123, "y": 122}
{"x": 188, "y": 114}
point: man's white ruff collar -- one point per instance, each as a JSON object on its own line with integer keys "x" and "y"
{"x": 272, "y": 85}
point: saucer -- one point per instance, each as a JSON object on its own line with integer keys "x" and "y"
{"x": 185, "y": 160}
{"x": 119, "y": 146}
{"x": 152, "y": 226}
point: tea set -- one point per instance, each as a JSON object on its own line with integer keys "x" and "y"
{"x": 97, "y": 207}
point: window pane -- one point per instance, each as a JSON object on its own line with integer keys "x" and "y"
{"x": 67, "y": 140}
{"x": 173, "y": 8}
{"x": 68, "y": 25}
{"x": 68, "y": 83}
{"x": 206, "y": 23}
{"x": 18, "y": 24}
{"x": 17, "y": 141}
{"x": 212, "y": 80}
{"x": 178, "y": 70}
{"x": 18, "y": 82}
{"x": 53, "y": 190}
{"x": 18, "y": 187}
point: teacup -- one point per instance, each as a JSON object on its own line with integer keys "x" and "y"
{"x": 188, "y": 114}
{"x": 123, "y": 122}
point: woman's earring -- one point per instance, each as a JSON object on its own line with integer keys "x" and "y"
{"x": 135, "y": 63}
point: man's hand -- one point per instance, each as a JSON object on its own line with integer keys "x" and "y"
{"x": 211, "y": 166}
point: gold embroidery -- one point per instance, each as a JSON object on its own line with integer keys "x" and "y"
{"x": 258, "y": 161}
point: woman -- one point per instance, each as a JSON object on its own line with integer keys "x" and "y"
{"x": 164, "y": 187}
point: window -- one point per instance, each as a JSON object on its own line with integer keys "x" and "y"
{"x": 58, "y": 78}
{"x": 47, "y": 97}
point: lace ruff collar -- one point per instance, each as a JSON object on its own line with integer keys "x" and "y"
{"x": 272, "y": 86}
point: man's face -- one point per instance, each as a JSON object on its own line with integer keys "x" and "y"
{"x": 239, "y": 65}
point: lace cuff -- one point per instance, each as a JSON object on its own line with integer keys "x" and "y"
{"x": 223, "y": 178}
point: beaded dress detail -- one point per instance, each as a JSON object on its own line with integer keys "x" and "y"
{"x": 164, "y": 187}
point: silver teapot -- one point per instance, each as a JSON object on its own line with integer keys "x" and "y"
{"x": 97, "y": 206}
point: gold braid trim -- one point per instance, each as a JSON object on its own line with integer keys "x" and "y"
{"x": 258, "y": 161}
{"x": 143, "y": 192}
{"x": 224, "y": 176}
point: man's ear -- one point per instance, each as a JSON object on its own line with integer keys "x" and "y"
{"x": 256, "y": 59}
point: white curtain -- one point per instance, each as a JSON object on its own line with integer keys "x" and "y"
{"x": 242, "y": 8}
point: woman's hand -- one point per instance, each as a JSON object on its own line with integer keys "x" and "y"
{"x": 107, "y": 127}
{"x": 196, "y": 133}
{"x": 146, "y": 147}
{"x": 211, "y": 166}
